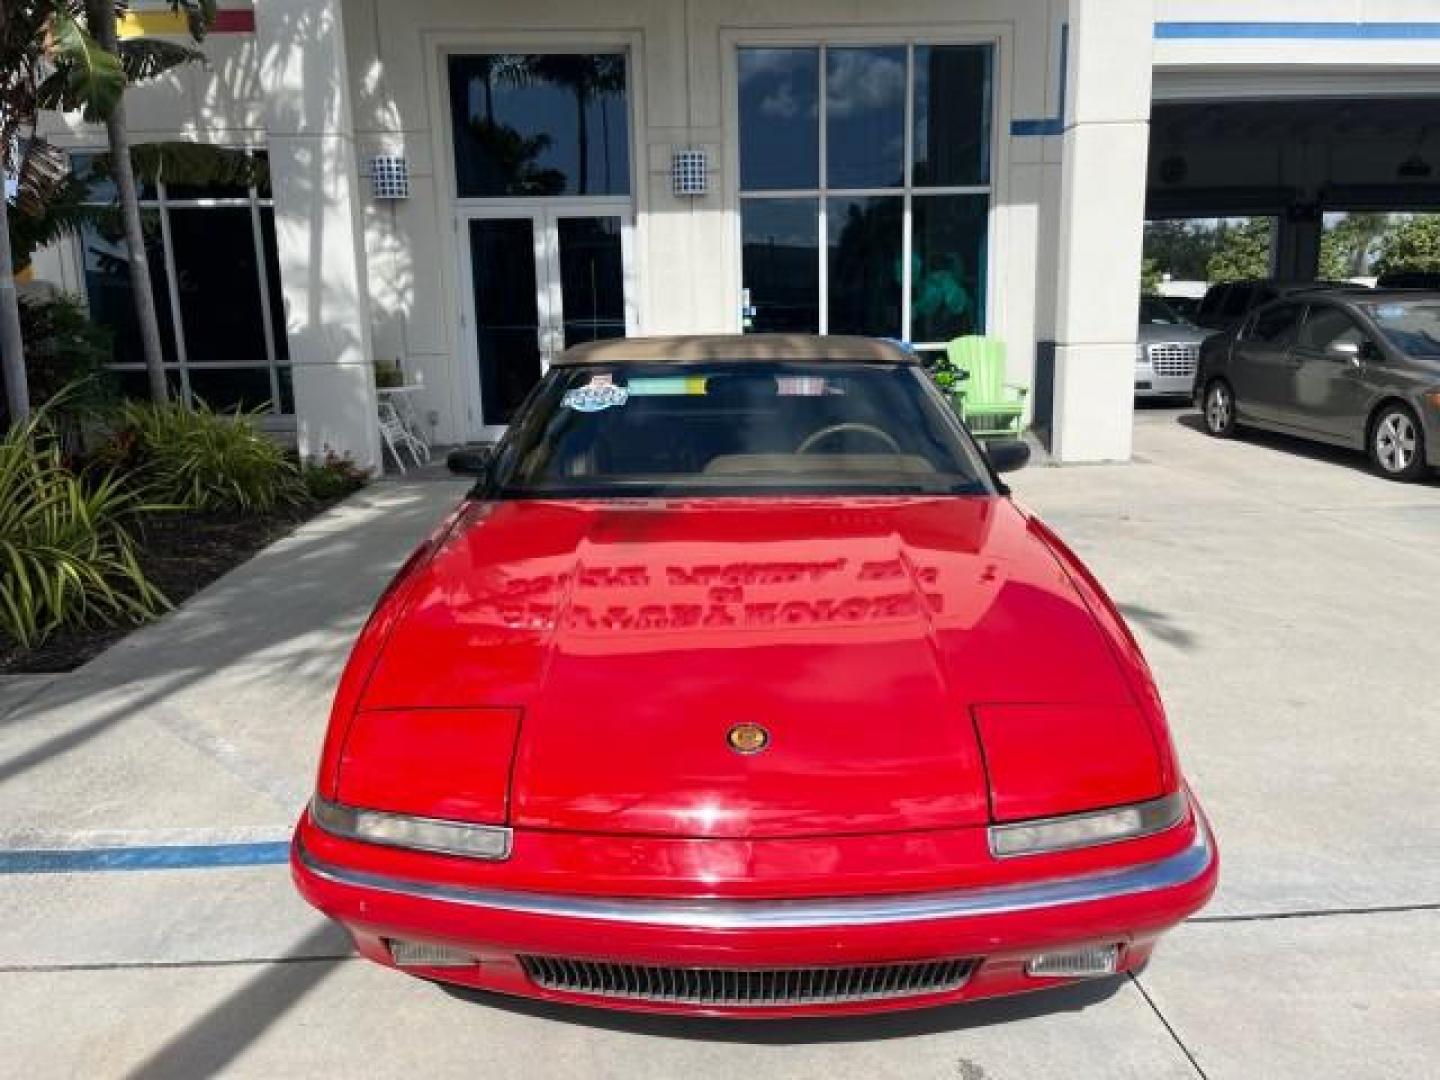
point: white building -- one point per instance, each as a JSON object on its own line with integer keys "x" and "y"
{"x": 917, "y": 169}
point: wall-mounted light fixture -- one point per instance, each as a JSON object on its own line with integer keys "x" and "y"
{"x": 389, "y": 177}
{"x": 688, "y": 172}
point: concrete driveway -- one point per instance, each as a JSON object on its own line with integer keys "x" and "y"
{"x": 1286, "y": 599}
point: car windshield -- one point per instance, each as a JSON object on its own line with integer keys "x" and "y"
{"x": 1412, "y": 326}
{"x": 1156, "y": 312}
{"x": 737, "y": 428}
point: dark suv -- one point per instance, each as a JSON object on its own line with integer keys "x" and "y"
{"x": 1227, "y": 303}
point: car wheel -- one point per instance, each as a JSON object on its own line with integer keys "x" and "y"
{"x": 1218, "y": 409}
{"x": 1397, "y": 444}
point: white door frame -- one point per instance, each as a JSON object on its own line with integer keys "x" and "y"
{"x": 623, "y": 208}
{"x": 544, "y": 215}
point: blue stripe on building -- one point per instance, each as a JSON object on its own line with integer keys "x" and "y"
{"x": 1311, "y": 31}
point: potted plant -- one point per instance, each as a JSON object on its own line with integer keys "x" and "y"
{"x": 388, "y": 375}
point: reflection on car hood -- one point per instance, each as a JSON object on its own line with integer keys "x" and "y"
{"x": 634, "y": 634}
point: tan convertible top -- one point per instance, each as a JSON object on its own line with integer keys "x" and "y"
{"x": 773, "y": 347}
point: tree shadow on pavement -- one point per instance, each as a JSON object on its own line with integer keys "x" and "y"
{"x": 216, "y": 1039}
{"x": 800, "y": 1031}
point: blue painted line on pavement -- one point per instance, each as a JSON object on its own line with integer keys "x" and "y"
{"x": 167, "y": 857}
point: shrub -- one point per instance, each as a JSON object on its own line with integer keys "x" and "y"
{"x": 388, "y": 375}
{"x": 333, "y": 478}
{"x": 945, "y": 374}
{"x": 206, "y": 460}
{"x": 65, "y": 351}
{"x": 65, "y": 359}
{"x": 66, "y": 555}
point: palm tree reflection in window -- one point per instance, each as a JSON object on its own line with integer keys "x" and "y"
{"x": 598, "y": 76}
{"x": 517, "y": 138}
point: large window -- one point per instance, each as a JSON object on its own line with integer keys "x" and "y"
{"x": 216, "y": 278}
{"x": 865, "y": 189}
{"x": 540, "y": 124}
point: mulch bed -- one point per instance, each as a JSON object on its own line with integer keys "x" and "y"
{"x": 181, "y": 553}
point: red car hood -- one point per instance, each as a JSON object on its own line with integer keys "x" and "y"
{"x": 635, "y": 635}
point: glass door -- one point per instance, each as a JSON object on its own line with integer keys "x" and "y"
{"x": 508, "y": 306}
{"x": 590, "y": 283}
{"x": 540, "y": 280}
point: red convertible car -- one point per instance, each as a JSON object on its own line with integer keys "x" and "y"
{"x": 738, "y": 685}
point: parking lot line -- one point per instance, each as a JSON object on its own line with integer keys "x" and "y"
{"x": 151, "y": 857}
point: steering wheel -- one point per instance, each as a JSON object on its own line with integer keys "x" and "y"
{"x": 817, "y": 437}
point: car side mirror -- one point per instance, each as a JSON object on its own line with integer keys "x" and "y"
{"x": 470, "y": 460}
{"x": 1007, "y": 455}
{"x": 1352, "y": 353}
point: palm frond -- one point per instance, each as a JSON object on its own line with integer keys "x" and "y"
{"x": 147, "y": 58}
{"x": 93, "y": 80}
{"x": 67, "y": 212}
{"x": 195, "y": 164}
{"x": 43, "y": 171}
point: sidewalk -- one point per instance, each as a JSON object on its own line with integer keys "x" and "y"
{"x": 201, "y": 728}
{"x": 1285, "y": 598}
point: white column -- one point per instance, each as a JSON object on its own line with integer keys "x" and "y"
{"x": 318, "y": 226}
{"x": 1102, "y": 211}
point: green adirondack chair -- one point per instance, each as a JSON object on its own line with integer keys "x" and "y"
{"x": 988, "y": 404}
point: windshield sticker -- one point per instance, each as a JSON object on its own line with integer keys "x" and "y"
{"x": 803, "y": 386}
{"x": 667, "y": 386}
{"x": 597, "y": 397}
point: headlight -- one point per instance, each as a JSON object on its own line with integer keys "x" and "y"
{"x": 1086, "y": 830}
{"x": 405, "y": 831}
{"x": 1139, "y": 353}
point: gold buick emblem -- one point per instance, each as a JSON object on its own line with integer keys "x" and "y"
{"x": 748, "y": 738}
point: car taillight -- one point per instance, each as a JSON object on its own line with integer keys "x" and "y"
{"x": 451, "y": 764}
{"x": 1048, "y": 760}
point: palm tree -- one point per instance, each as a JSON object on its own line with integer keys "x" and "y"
{"x": 141, "y": 58}
{"x": 44, "y": 52}
{"x": 65, "y": 54}
{"x": 503, "y": 69}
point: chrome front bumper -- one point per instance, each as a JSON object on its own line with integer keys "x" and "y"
{"x": 1172, "y": 872}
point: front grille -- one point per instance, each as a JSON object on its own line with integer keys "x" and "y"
{"x": 746, "y": 987}
{"x": 1173, "y": 359}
